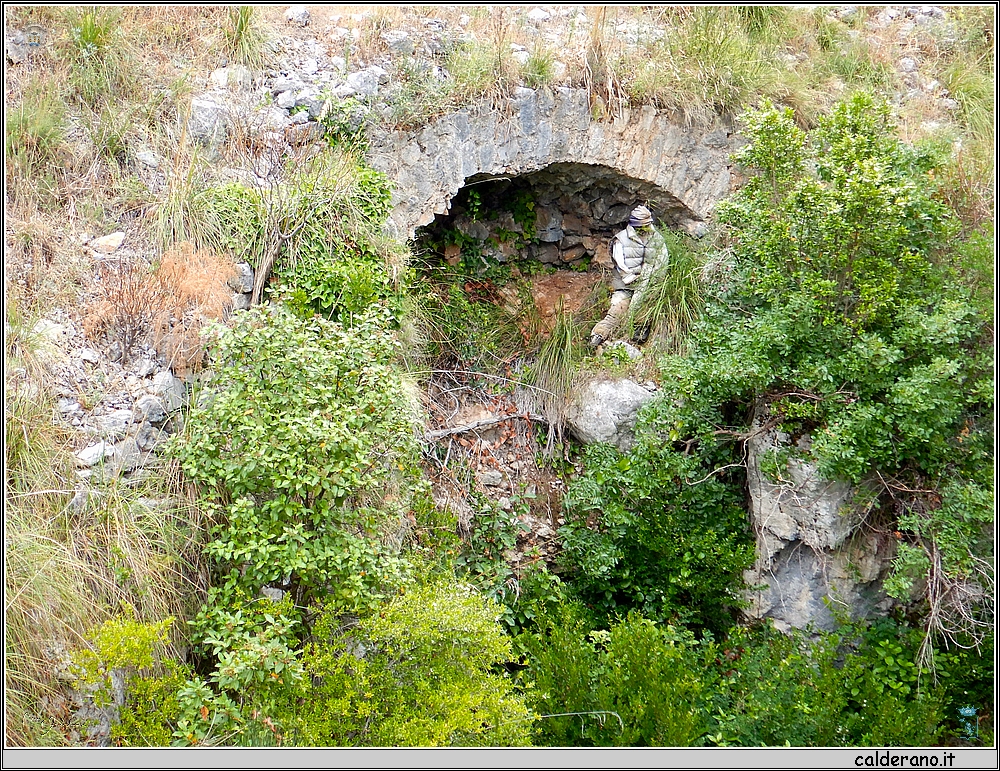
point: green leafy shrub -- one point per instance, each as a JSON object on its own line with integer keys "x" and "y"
{"x": 649, "y": 530}
{"x": 855, "y": 687}
{"x": 303, "y": 454}
{"x": 150, "y": 680}
{"x": 636, "y": 684}
{"x": 253, "y": 643}
{"x": 419, "y": 672}
{"x": 320, "y": 231}
{"x": 847, "y": 317}
{"x": 305, "y": 457}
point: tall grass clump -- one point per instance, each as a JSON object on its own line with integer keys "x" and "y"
{"x": 706, "y": 62}
{"x": 245, "y": 39}
{"x": 554, "y": 371}
{"x": 673, "y": 299}
{"x": 102, "y": 69}
{"x": 34, "y": 144}
{"x": 74, "y": 556}
{"x": 184, "y": 211}
{"x": 969, "y": 73}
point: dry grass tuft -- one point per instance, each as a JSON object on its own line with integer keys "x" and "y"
{"x": 194, "y": 294}
{"x": 74, "y": 558}
{"x": 169, "y": 305}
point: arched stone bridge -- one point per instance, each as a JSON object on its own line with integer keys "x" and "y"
{"x": 681, "y": 170}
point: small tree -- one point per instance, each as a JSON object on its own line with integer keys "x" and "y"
{"x": 852, "y": 324}
{"x": 300, "y": 453}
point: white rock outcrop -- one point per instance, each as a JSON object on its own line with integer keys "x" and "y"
{"x": 816, "y": 564}
{"x": 605, "y": 411}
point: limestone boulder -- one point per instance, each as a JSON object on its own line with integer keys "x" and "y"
{"x": 816, "y": 563}
{"x": 605, "y": 411}
{"x": 207, "y": 123}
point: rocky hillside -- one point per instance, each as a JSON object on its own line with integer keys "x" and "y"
{"x": 297, "y": 302}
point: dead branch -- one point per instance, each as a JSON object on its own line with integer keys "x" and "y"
{"x": 431, "y": 436}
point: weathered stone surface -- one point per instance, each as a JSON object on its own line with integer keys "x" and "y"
{"x": 95, "y": 453}
{"x": 149, "y": 437}
{"x": 298, "y": 15}
{"x": 814, "y": 561}
{"x": 584, "y": 175}
{"x": 128, "y": 456}
{"x": 491, "y": 478}
{"x": 237, "y": 76}
{"x": 207, "y": 121}
{"x": 803, "y": 587}
{"x": 272, "y": 593}
{"x": 169, "y": 389}
{"x": 107, "y": 244}
{"x": 399, "y": 42}
{"x": 151, "y": 409}
{"x": 243, "y": 280}
{"x": 364, "y": 83}
{"x": 605, "y": 411}
{"x": 114, "y": 424}
{"x": 51, "y": 332}
{"x": 148, "y": 158}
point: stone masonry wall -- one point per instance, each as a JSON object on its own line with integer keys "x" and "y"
{"x": 685, "y": 169}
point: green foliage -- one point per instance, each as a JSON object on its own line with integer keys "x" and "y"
{"x": 344, "y": 124}
{"x": 299, "y": 455}
{"x": 91, "y": 32}
{"x": 672, "y": 300}
{"x": 469, "y": 330}
{"x": 245, "y": 40}
{"x": 709, "y": 62}
{"x": 483, "y": 556}
{"x": 975, "y": 262}
{"x": 253, "y": 644}
{"x": 35, "y": 130}
{"x": 640, "y": 684}
{"x": 34, "y": 141}
{"x": 523, "y": 212}
{"x": 152, "y": 709}
{"x": 305, "y": 457}
{"x": 856, "y": 687}
{"x": 849, "y": 317}
{"x": 419, "y": 672}
{"x": 636, "y": 684}
{"x": 649, "y": 530}
{"x": 539, "y": 68}
{"x": 539, "y": 594}
{"x": 322, "y": 231}
{"x": 101, "y": 71}
{"x": 554, "y": 371}
{"x": 133, "y": 652}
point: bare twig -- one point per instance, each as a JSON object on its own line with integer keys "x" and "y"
{"x": 431, "y": 436}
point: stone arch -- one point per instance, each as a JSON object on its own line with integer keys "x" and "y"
{"x": 683, "y": 170}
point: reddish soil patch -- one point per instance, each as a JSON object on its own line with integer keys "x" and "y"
{"x": 574, "y": 291}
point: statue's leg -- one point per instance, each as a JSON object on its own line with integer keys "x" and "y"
{"x": 617, "y": 313}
